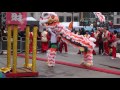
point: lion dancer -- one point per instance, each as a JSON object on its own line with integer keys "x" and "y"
{"x": 55, "y": 28}
{"x": 114, "y": 44}
{"x": 93, "y": 35}
{"x": 88, "y": 58}
{"x": 106, "y": 38}
{"x": 44, "y": 41}
{"x": 51, "y": 54}
{"x": 88, "y": 54}
{"x": 62, "y": 45}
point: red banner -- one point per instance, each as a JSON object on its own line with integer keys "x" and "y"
{"x": 17, "y": 18}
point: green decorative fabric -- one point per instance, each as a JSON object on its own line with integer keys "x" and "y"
{"x": 2, "y": 75}
{"x": 53, "y": 46}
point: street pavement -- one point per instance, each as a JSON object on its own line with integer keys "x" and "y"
{"x": 63, "y": 71}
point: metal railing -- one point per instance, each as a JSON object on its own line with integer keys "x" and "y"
{"x": 21, "y": 44}
{"x": 38, "y": 44}
{"x": 4, "y": 43}
{"x": 0, "y": 46}
{"x": 118, "y": 48}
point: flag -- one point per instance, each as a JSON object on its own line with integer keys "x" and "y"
{"x": 70, "y": 26}
{"x": 100, "y": 16}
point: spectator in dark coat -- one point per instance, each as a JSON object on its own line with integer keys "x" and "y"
{"x": 100, "y": 42}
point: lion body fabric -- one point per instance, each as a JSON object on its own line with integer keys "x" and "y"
{"x": 50, "y": 21}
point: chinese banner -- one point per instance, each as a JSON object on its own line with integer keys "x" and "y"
{"x": 18, "y": 18}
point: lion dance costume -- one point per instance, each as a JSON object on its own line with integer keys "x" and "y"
{"x": 51, "y": 21}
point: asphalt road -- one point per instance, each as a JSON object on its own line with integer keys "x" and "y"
{"x": 63, "y": 71}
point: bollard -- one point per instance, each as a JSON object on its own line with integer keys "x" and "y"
{"x": 35, "y": 29}
{"x": 27, "y": 46}
{"x": 9, "y": 46}
{"x": 15, "y": 38}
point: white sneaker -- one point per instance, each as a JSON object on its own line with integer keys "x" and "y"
{"x": 113, "y": 58}
{"x": 4, "y": 52}
{"x": 38, "y": 52}
{"x": 106, "y": 54}
{"x": 51, "y": 65}
{"x": 102, "y": 54}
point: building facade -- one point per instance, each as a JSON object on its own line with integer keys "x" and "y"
{"x": 116, "y": 20}
{"x": 35, "y": 15}
{"x": 66, "y": 16}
